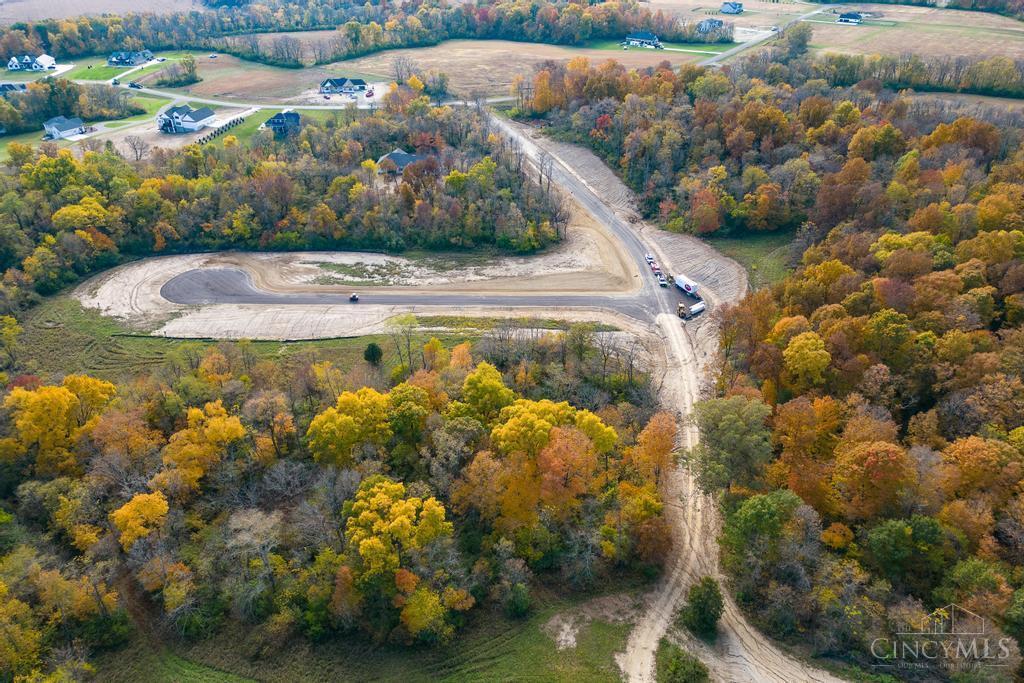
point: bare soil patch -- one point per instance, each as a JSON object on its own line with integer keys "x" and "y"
{"x": 614, "y": 609}
{"x": 149, "y": 133}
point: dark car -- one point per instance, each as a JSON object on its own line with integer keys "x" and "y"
{"x": 137, "y": 86}
{"x": 354, "y": 297}
{"x": 116, "y": 81}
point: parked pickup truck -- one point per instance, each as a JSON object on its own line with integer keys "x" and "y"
{"x": 687, "y": 310}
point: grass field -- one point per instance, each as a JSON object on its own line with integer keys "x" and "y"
{"x": 94, "y": 69}
{"x": 491, "y": 648}
{"x": 19, "y": 76}
{"x": 764, "y": 255}
{"x": 926, "y": 31}
{"x": 62, "y": 337}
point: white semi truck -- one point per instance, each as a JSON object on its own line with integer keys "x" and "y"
{"x": 688, "y": 309}
{"x": 687, "y": 287}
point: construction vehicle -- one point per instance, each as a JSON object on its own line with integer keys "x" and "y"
{"x": 687, "y": 310}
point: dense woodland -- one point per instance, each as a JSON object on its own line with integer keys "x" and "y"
{"x": 63, "y": 217}
{"x": 361, "y": 28}
{"x": 318, "y": 500}
{"x": 60, "y": 97}
{"x": 748, "y": 148}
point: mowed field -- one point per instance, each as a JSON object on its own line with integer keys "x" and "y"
{"x": 24, "y": 10}
{"x": 488, "y": 66}
{"x": 926, "y": 31}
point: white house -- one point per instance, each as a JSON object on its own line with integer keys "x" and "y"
{"x": 28, "y": 63}
{"x": 60, "y": 127}
{"x": 184, "y": 119}
{"x": 342, "y": 85}
{"x": 20, "y": 63}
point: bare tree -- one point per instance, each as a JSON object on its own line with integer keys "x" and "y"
{"x": 138, "y": 145}
{"x": 403, "y": 67}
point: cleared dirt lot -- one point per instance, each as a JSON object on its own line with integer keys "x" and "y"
{"x": 24, "y": 10}
{"x": 927, "y": 31}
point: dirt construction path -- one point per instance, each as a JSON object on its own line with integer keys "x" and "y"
{"x": 740, "y": 652}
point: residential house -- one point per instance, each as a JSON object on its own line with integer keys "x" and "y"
{"x": 284, "y": 123}
{"x": 20, "y": 63}
{"x": 60, "y": 127}
{"x": 333, "y": 86}
{"x": 396, "y": 160}
{"x": 129, "y": 58}
{"x": 642, "y": 39}
{"x": 184, "y": 119}
{"x": 850, "y": 18}
{"x": 710, "y": 25}
{"x": 8, "y": 88}
{"x": 43, "y": 62}
{"x": 732, "y": 8}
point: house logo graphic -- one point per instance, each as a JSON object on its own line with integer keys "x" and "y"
{"x": 952, "y": 638}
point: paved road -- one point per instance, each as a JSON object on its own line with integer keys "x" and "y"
{"x": 742, "y": 47}
{"x": 234, "y": 286}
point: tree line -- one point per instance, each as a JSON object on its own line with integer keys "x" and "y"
{"x": 359, "y": 29}
{"x": 65, "y": 217}
{"x": 314, "y": 500}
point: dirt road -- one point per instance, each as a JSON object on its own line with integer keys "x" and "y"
{"x": 740, "y": 653}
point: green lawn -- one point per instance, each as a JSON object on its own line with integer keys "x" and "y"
{"x": 62, "y": 337}
{"x": 19, "y": 76}
{"x": 33, "y": 137}
{"x": 94, "y": 69}
{"x": 245, "y": 131}
{"x": 764, "y": 255}
{"x": 491, "y": 647}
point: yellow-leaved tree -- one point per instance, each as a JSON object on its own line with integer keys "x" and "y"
{"x": 49, "y": 422}
{"x": 357, "y": 418}
{"x": 139, "y": 517}
{"x": 192, "y": 451}
{"x": 384, "y": 528}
